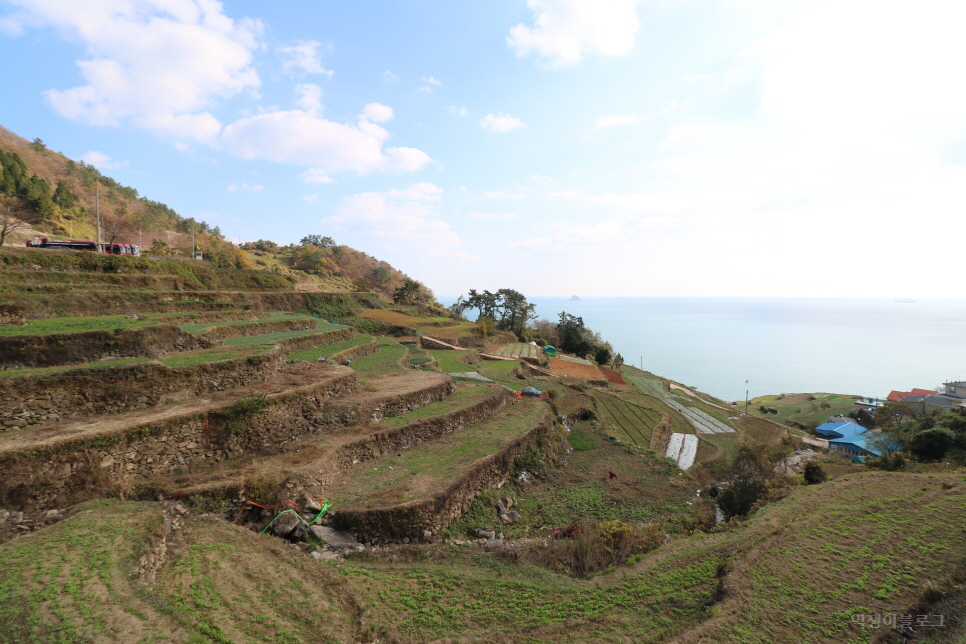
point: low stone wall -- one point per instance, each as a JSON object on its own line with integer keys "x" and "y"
{"x": 226, "y": 331}
{"x": 414, "y": 520}
{"x": 299, "y": 342}
{"x": 60, "y": 349}
{"x": 367, "y": 410}
{"x": 352, "y": 353}
{"x": 432, "y": 343}
{"x": 28, "y": 400}
{"x": 62, "y": 474}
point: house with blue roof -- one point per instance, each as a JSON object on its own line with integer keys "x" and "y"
{"x": 839, "y": 430}
{"x": 859, "y": 445}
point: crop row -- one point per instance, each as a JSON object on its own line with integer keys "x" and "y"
{"x": 635, "y": 422}
{"x": 701, "y": 421}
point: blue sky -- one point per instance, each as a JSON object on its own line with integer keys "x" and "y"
{"x": 597, "y": 147}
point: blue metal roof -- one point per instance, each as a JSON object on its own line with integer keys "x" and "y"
{"x": 839, "y": 430}
{"x": 862, "y": 441}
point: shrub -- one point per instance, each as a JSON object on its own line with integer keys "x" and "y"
{"x": 595, "y": 548}
{"x": 738, "y": 499}
{"x": 815, "y": 473}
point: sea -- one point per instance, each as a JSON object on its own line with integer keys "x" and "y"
{"x": 729, "y": 346}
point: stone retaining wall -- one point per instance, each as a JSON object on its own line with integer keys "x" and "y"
{"x": 353, "y": 353}
{"x": 367, "y": 410}
{"x": 414, "y": 520}
{"x": 28, "y": 400}
{"x": 111, "y": 465}
{"x": 60, "y": 349}
{"x": 225, "y": 331}
{"x": 299, "y": 342}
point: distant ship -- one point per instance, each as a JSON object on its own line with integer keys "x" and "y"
{"x": 574, "y": 299}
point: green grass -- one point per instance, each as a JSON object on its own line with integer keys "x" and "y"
{"x": 464, "y": 396}
{"x": 312, "y": 353}
{"x": 448, "y": 360}
{"x": 435, "y": 465}
{"x": 385, "y": 360}
{"x": 802, "y": 412}
{"x": 54, "y": 370}
{"x": 630, "y": 422}
{"x": 580, "y": 440}
{"x": 270, "y": 338}
{"x": 273, "y": 316}
{"x": 210, "y": 355}
{"x": 47, "y": 326}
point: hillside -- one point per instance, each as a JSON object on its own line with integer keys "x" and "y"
{"x": 57, "y": 197}
{"x": 299, "y": 444}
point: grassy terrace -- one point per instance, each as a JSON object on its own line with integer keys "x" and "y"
{"x": 55, "y": 370}
{"x": 386, "y": 360}
{"x": 273, "y": 316}
{"x": 448, "y": 360}
{"x": 312, "y": 354}
{"x": 465, "y": 396}
{"x": 270, "y": 338}
{"x": 46, "y": 326}
{"x": 428, "y": 469}
{"x": 211, "y": 355}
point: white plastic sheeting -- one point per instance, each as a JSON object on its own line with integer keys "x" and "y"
{"x": 683, "y": 448}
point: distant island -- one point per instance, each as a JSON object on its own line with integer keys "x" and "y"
{"x": 574, "y": 299}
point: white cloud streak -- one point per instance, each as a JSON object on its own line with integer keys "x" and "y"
{"x": 159, "y": 64}
{"x": 402, "y": 219}
{"x": 302, "y": 58}
{"x": 565, "y": 31}
{"x": 500, "y": 123}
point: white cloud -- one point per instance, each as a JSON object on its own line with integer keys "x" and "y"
{"x": 101, "y": 161}
{"x": 618, "y": 121}
{"x": 423, "y": 191}
{"x": 158, "y": 63}
{"x": 500, "y": 123}
{"x": 461, "y": 111}
{"x": 430, "y": 83}
{"x": 401, "y": 219}
{"x": 566, "y": 30}
{"x": 303, "y": 57}
{"x": 503, "y": 195}
{"x": 389, "y": 77}
{"x": 313, "y": 197}
{"x": 491, "y": 215}
{"x": 377, "y": 113}
{"x": 309, "y": 97}
{"x": 297, "y": 137}
{"x": 245, "y": 187}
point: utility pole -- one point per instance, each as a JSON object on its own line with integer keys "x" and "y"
{"x": 97, "y": 210}
{"x": 746, "y": 399}
{"x": 192, "y": 239}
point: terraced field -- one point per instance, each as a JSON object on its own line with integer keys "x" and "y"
{"x": 518, "y": 350}
{"x": 630, "y": 422}
{"x": 419, "y": 473}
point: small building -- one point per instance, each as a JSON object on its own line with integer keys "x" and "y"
{"x": 861, "y": 445}
{"x": 955, "y": 389}
{"x": 838, "y": 430}
{"x": 897, "y": 396}
{"x": 550, "y": 351}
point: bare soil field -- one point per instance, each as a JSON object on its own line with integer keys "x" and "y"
{"x": 573, "y": 369}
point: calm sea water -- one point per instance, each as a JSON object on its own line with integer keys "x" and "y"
{"x": 781, "y": 345}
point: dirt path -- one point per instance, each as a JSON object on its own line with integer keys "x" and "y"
{"x": 695, "y": 395}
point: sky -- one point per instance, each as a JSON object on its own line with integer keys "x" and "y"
{"x": 556, "y": 147}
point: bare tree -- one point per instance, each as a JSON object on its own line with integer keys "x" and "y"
{"x": 9, "y": 222}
